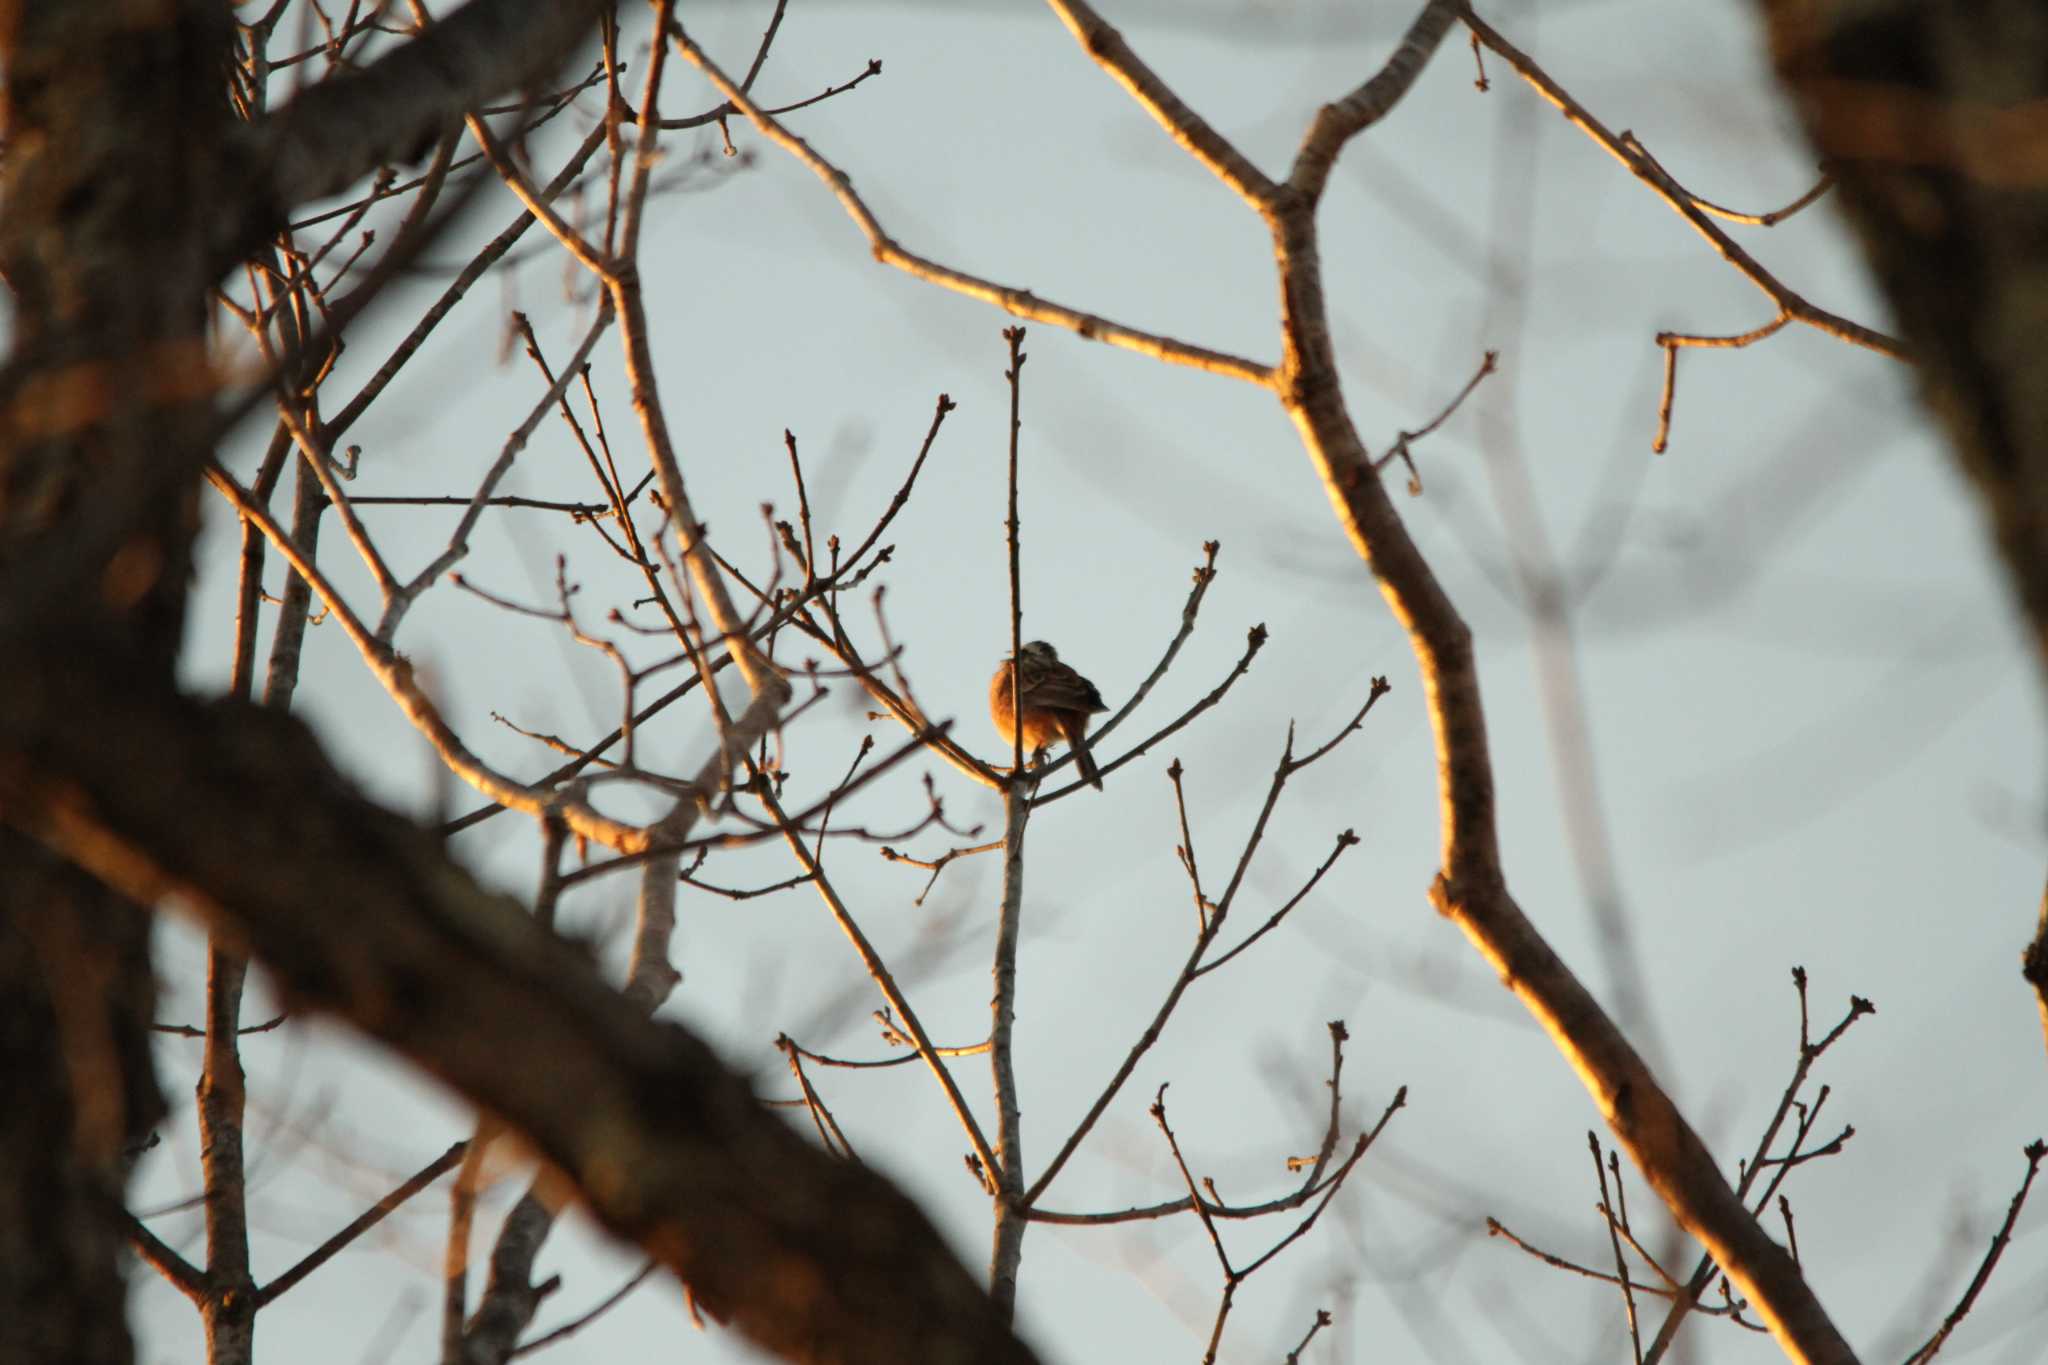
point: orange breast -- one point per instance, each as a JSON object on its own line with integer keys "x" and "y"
{"x": 1041, "y": 727}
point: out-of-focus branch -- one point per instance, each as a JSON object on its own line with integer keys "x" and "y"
{"x": 2034, "y": 965}
{"x": 351, "y": 907}
{"x": 1929, "y": 119}
{"x": 392, "y": 110}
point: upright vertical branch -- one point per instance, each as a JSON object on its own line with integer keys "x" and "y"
{"x": 228, "y": 1307}
{"x": 455, "y": 1259}
{"x": 622, "y": 277}
{"x": 1015, "y": 337}
{"x": 1008, "y": 1249}
{"x": 286, "y": 642}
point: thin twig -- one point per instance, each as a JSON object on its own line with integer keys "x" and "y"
{"x": 1809, "y": 1052}
{"x": 2034, "y": 1151}
{"x": 1775, "y": 216}
{"x": 883, "y": 979}
{"x": 1255, "y": 640}
{"x": 1613, "y": 1220}
{"x": 1017, "y": 302}
{"x": 1400, "y": 448}
{"x": 1322, "y": 1320}
{"x": 396, "y": 675}
{"x": 187, "y": 1031}
{"x": 1672, "y": 342}
{"x": 1205, "y": 935}
{"x": 582, "y": 1320}
{"x": 1630, "y": 152}
{"x": 1311, "y": 1188}
{"x": 362, "y": 1223}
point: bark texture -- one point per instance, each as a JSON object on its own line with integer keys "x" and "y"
{"x": 74, "y": 1009}
{"x": 104, "y": 390}
{"x": 356, "y": 911}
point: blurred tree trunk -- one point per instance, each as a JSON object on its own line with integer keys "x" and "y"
{"x": 104, "y": 420}
{"x": 74, "y": 1046}
{"x": 1934, "y": 119}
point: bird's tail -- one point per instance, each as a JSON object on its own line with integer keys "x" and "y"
{"x": 1077, "y": 740}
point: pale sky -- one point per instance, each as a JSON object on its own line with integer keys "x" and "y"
{"x": 1815, "y": 725}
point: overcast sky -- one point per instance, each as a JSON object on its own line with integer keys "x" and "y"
{"x": 1814, "y": 726}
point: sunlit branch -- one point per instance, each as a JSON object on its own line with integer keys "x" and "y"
{"x": 1018, "y": 302}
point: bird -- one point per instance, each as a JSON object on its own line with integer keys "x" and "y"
{"x": 1057, "y": 703}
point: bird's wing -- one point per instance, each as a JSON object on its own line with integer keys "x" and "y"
{"x": 1065, "y": 690}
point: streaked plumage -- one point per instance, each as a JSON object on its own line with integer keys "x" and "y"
{"x": 1057, "y": 702}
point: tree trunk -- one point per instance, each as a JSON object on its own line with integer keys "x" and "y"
{"x": 104, "y": 419}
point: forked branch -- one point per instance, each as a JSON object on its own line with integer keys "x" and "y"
{"x": 1471, "y": 886}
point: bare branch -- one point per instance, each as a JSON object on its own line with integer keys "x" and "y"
{"x": 583, "y": 1320}
{"x": 664, "y": 1143}
{"x": 187, "y": 1278}
{"x": 2035, "y": 1150}
{"x": 361, "y": 1224}
{"x": 393, "y": 109}
{"x": 1775, "y": 216}
{"x": 1631, "y": 153}
{"x": 1018, "y": 302}
{"x": 1196, "y": 137}
{"x": 1336, "y": 124}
